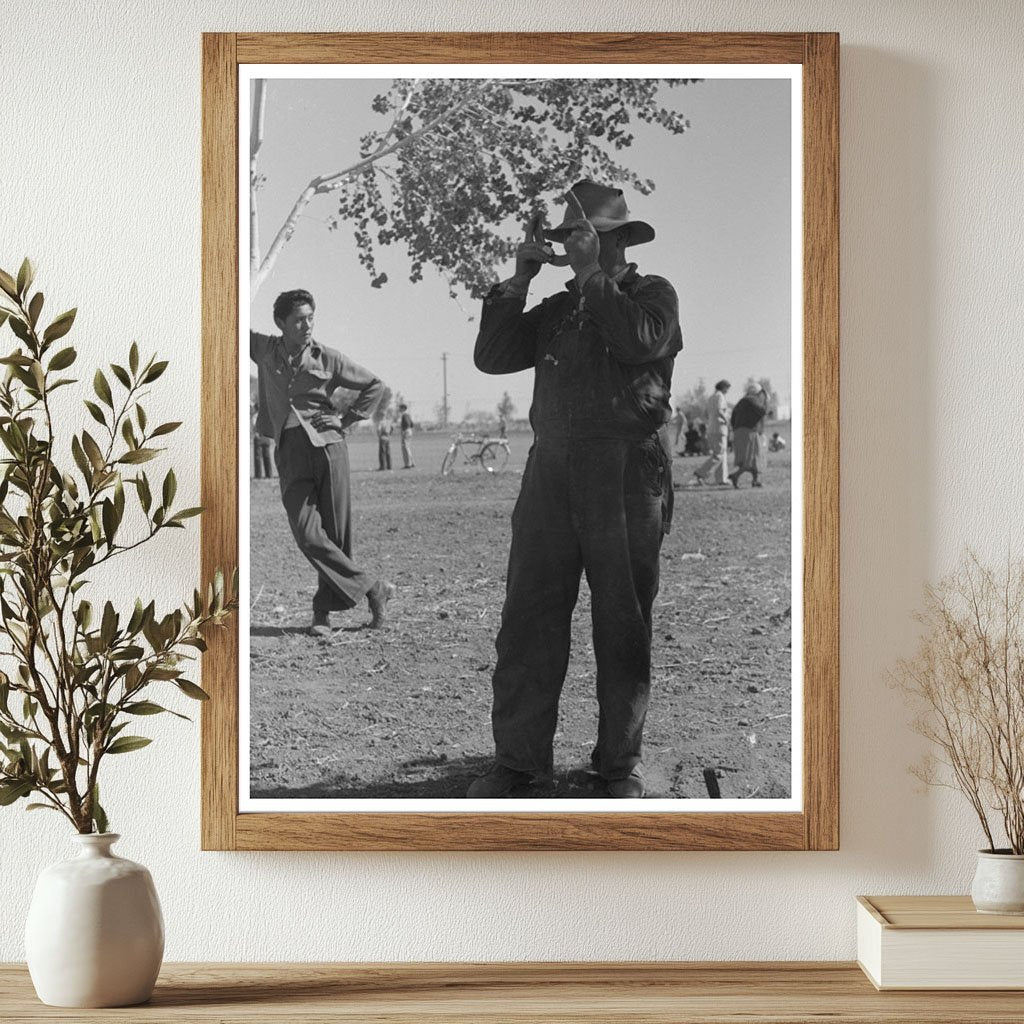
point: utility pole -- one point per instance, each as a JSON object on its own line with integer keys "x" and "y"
{"x": 444, "y": 400}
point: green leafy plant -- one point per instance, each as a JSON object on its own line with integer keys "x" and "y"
{"x": 81, "y": 673}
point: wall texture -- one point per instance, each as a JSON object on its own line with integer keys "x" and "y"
{"x": 99, "y": 182}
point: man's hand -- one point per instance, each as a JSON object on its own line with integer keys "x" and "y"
{"x": 533, "y": 253}
{"x": 583, "y": 246}
{"x": 328, "y": 421}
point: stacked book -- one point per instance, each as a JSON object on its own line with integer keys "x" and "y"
{"x": 938, "y": 942}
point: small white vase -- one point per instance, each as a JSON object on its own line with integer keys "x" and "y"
{"x": 95, "y": 933}
{"x": 999, "y": 883}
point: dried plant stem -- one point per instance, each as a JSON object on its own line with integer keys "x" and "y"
{"x": 967, "y": 679}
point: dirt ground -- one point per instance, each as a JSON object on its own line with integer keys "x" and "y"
{"x": 405, "y": 711}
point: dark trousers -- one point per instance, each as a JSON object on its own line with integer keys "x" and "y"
{"x": 261, "y": 451}
{"x": 317, "y": 496}
{"x": 384, "y": 453}
{"x": 594, "y": 507}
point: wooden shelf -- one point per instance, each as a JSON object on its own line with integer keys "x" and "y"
{"x": 642, "y": 993}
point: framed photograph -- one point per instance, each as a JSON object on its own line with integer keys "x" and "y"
{"x": 520, "y": 420}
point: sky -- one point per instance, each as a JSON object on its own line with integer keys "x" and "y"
{"x": 721, "y": 210}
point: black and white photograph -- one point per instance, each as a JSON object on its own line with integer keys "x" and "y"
{"x": 520, "y": 442}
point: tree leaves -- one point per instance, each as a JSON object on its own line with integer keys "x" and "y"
{"x": 464, "y": 157}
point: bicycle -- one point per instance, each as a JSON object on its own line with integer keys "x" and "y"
{"x": 491, "y": 454}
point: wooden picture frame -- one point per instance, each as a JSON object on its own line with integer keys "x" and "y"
{"x": 816, "y": 826}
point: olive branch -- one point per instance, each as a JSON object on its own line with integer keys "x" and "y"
{"x": 81, "y": 674}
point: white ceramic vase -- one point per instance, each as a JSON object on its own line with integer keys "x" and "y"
{"x": 95, "y": 933}
{"x": 999, "y": 883}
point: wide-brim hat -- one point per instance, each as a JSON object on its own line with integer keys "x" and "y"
{"x": 606, "y": 209}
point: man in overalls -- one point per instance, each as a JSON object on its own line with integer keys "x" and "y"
{"x": 597, "y": 491}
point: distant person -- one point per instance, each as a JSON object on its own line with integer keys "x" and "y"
{"x": 297, "y": 376}
{"x": 406, "y": 426}
{"x": 694, "y": 441}
{"x": 385, "y": 428}
{"x": 749, "y": 445}
{"x": 678, "y": 426}
{"x": 502, "y": 427}
{"x": 262, "y": 450}
{"x": 717, "y": 464}
{"x": 776, "y": 443}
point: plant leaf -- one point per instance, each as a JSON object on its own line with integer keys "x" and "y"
{"x": 147, "y": 707}
{"x": 35, "y": 307}
{"x": 108, "y": 625}
{"x": 63, "y": 359}
{"x": 143, "y": 707}
{"x": 191, "y": 690}
{"x": 185, "y": 513}
{"x": 8, "y": 284}
{"x": 14, "y": 790}
{"x": 109, "y": 521}
{"x": 99, "y": 816}
{"x": 26, "y": 275}
{"x": 102, "y": 388}
{"x": 128, "y": 433}
{"x": 126, "y": 744}
{"x": 92, "y": 449}
{"x": 170, "y": 488}
{"x": 121, "y": 374}
{"x": 84, "y": 614}
{"x": 145, "y": 497}
{"x": 133, "y": 358}
{"x": 154, "y": 371}
{"x": 80, "y": 458}
{"x": 60, "y": 326}
{"x": 165, "y": 428}
{"x": 139, "y": 455}
{"x": 95, "y": 412}
{"x": 20, "y": 328}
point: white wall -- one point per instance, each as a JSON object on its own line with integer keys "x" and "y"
{"x": 99, "y": 181}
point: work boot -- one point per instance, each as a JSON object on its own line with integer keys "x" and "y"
{"x": 630, "y": 788}
{"x": 499, "y": 782}
{"x": 377, "y": 597}
{"x": 321, "y": 625}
